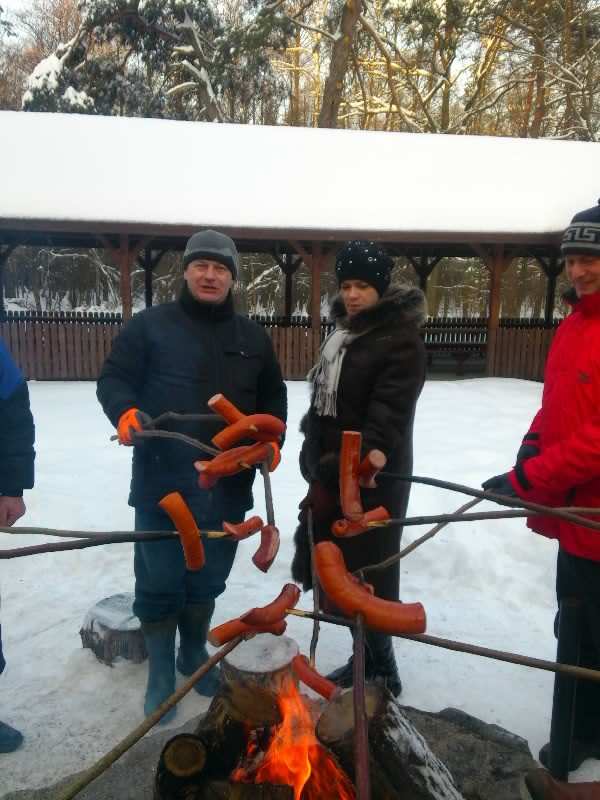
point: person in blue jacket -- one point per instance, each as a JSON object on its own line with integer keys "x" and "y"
{"x": 17, "y": 436}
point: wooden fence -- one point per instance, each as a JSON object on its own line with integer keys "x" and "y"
{"x": 73, "y": 345}
{"x": 521, "y": 349}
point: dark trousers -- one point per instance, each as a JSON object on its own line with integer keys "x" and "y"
{"x": 163, "y": 585}
{"x": 2, "y": 661}
{"x": 580, "y": 578}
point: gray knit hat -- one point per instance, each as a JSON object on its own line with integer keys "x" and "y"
{"x": 583, "y": 234}
{"x": 214, "y": 246}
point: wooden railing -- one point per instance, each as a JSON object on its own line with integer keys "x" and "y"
{"x": 74, "y": 345}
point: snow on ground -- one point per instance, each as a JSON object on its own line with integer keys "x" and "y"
{"x": 488, "y": 583}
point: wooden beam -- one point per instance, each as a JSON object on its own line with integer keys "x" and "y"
{"x": 497, "y": 260}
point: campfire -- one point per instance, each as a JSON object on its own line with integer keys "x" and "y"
{"x": 263, "y": 738}
{"x": 258, "y": 738}
{"x": 294, "y": 756}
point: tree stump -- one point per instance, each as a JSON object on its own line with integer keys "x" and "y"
{"x": 400, "y": 761}
{"x": 111, "y": 629}
{"x": 253, "y": 675}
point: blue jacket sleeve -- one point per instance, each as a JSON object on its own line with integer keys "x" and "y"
{"x": 17, "y": 432}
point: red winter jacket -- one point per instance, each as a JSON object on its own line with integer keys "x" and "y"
{"x": 567, "y": 470}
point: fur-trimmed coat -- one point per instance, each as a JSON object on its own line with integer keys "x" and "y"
{"x": 381, "y": 378}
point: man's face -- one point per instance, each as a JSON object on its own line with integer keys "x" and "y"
{"x": 208, "y": 281}
{"x": 583, "y": 271}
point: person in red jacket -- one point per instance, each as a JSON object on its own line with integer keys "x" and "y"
{"x": 558, "y": 463}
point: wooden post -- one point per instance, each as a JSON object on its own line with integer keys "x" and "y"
{"x": 149, "y": 260}
{"x": 289, "y": 265}
{"x": 552, "y": 267}
{"x": 423, "y": 266}
{"x": 5, "y": 251}
{"x": 315, "y": 295}
{"x": 124, "y": 261}
{"x": 496, "y": 260}
{"x": 124, "y": 255}
{"x": 315, "y": 262}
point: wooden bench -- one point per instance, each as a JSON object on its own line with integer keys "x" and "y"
{"x": 461, "y": 338}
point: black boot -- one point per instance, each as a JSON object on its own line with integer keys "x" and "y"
{"x": 581, "y": 749}
{"x": 381, "y": 661}
{"x": 194, "y": 622}
{"x": 343, "y": 676}
{"x": 10, "y": 738}
{"x": 160, "y": 644}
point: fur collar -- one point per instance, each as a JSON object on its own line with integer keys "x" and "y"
{"x": 399, "y": 305}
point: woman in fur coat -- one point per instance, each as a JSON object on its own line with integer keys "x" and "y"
{"x": 369, "y": 375}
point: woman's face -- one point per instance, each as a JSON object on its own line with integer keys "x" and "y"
{"x": 357, "y": 296}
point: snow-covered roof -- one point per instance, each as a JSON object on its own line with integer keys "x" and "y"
{"x": 70, "y": 172}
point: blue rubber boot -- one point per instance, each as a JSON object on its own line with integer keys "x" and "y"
{"x": 160, "y": 644}
{"x": 10, "y": 738}
{"x": 194, "y": 623}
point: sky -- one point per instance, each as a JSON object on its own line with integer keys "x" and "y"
{"x": 487, "y": 583}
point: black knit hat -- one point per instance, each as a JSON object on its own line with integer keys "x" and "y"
{"x": 583, "y": 234}
{"x": 213, "y": 246}
{"x": 364, "y": 261}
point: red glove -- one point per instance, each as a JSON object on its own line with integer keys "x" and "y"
{"x": 129, "y": 421}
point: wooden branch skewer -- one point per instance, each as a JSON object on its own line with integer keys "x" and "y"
{"x": 504, "y": 500}
{"x": 361, "y": 721}
{"x": 264, "y": 469}
{"x": 479, "y": 515}
{"x": 462, "y": 647}
{"x": 418, "y": 542}
{"x": 87, "y": 540}
{"x": 314, "y": 639}
{"x": 125, "y": 744}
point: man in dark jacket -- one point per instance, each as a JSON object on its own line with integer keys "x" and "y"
{"x": 175, "y": 357}
{"x": 558, "y": 463}
{"x": 369, "y": 376}
{"x": 16, "y": 473}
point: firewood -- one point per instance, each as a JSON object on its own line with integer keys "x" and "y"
{"x": 252, "y": 680}
{"x": 180, "y": 767}
{"x": 400, "y": 761}
{"x": 224, "y": 738}
{"x": 260, "y": 791}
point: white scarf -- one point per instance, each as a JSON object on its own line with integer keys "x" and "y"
{"x": 325, "y": 375}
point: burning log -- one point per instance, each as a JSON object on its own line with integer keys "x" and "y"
{"x": 400, "y": 761}
{"x": 260, "y": 791}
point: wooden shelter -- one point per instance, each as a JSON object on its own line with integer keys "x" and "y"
{"x": 141, "y": 187}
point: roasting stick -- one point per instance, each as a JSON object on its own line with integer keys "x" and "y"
{"x": 426, "y": 536}
{"x": 315, "y": 586}
{"x": 463, "y": 647}
{"x": 361, "y": 722}
{"x": 125, "y": 744}
{"x": 515, "y": 502}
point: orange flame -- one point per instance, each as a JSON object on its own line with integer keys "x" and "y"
{"x": 296, "y": 758}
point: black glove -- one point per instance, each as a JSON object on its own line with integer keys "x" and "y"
{"x": 527, "y": 450}
{"x": 500, "y": 484}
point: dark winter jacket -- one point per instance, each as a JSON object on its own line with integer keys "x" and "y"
{"x": 17, "y": 431}
{"x": 381, "y": 378}
{"x": 567, "y": 431}
{"x": 175, "y": 357}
